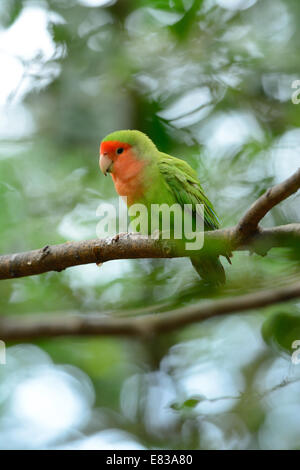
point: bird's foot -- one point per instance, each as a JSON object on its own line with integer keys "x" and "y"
{"x": 157, "y": 234}
{"x": 116, "y": 238}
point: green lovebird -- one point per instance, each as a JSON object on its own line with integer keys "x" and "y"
{"x": 147, "y": 176}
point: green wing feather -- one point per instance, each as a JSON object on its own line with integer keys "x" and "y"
{"x": 183, "y": 182}
{"x": 186, "y": 188}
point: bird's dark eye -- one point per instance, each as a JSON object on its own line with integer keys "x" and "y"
{"x": 120, "y": 150}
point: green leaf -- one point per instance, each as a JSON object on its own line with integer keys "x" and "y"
{"x": 188, "y": 404}
{"x": 281, "y": 329}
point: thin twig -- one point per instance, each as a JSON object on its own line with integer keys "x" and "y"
{"x": 252, "y": 396}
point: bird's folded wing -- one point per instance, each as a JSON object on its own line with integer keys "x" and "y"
{"x": 183, "y": 182}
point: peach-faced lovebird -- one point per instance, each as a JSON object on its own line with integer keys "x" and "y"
{"x": 147, "y": 176}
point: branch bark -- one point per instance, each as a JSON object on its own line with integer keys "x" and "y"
{"x": 133, "y": 246}
{"x": 45, "y": 326}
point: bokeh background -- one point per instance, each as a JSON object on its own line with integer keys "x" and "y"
{"x": 210, "y": 81}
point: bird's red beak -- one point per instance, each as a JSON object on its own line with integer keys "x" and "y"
{"x": 105, "y": 163}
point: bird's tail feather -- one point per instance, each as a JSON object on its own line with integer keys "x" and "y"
{"x": 210, "y": 269}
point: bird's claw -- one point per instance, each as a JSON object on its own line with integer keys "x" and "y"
{"x": 116, "y": 238}
{"x": 157, "y": 234}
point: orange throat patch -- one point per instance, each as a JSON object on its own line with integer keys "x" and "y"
{"x": 128, "y": 177}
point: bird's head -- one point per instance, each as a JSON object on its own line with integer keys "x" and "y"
{"x": 110, "y": 153}
{"x": 122, "y": 149}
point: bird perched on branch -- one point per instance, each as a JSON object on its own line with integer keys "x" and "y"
{"x": 147, "y": 176}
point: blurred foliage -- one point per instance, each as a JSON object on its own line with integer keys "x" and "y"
{"x": 210, "y": 81}
{"x": 281, "y": 328}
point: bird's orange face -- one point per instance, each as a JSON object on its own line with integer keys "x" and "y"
{"x": 121, "y": 161}
{"x": 112, "y": 154}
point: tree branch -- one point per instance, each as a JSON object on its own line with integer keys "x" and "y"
{"x": 45, "y": 326}
{"x": 249, "y": 222}
{"x": 245, "y": 236}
